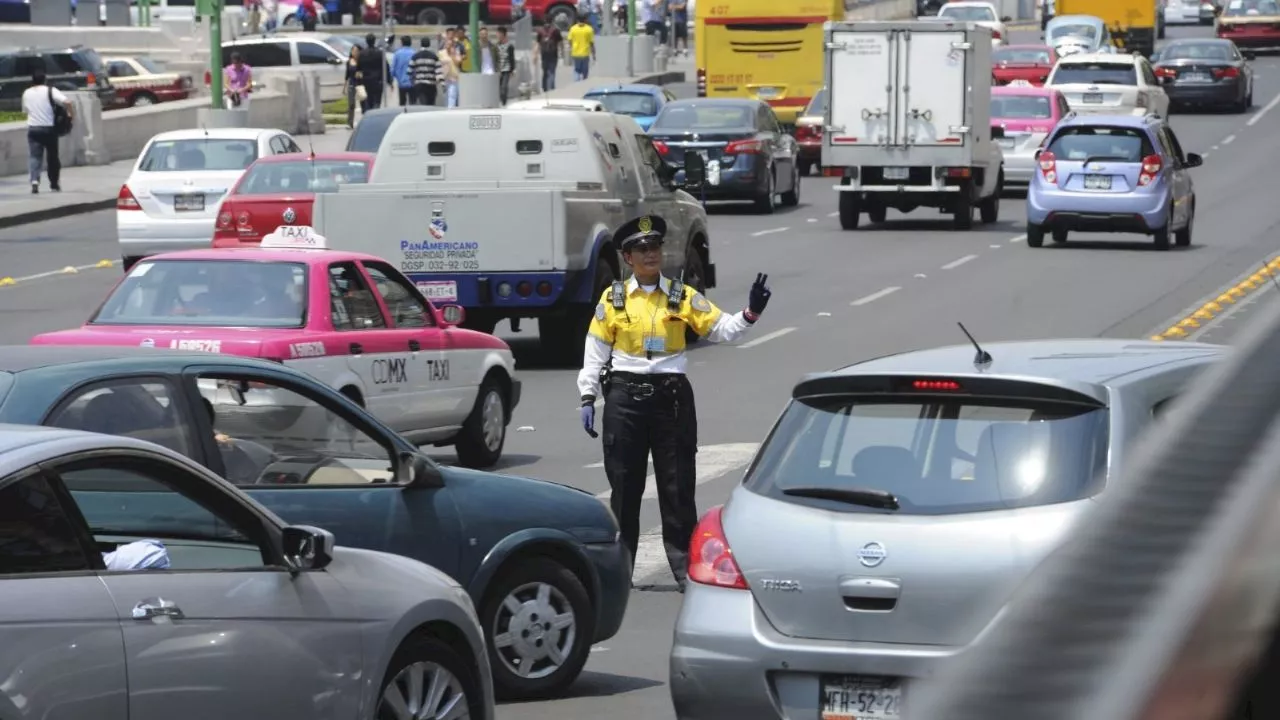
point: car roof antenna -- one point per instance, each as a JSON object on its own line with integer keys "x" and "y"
{"x": 983, "y": 358}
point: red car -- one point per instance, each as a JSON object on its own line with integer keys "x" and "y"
{"x": 278, "y": 190}
{"x": 1032, "y": 63}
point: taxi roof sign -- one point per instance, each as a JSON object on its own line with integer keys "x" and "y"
{"x": 295, "y": 237}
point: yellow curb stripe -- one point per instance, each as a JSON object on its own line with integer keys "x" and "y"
{"x": 1219, "y": 305}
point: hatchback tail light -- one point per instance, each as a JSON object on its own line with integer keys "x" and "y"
{"x": 1166, "y": 72}
{"x": 702, "y": 82}
{"x": 710, "y": 558}
{"x": 125, "y": 199}
{"x": 744, "y": 147}
{"x": 1049, "y": 167}
{"x": 1151, "y": 167}
{"x": 1223, "y": 73}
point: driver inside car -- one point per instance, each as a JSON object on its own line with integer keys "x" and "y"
{"x": 243, "y": 461}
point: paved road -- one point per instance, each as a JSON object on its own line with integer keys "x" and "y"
{"x": 839, "y": 297}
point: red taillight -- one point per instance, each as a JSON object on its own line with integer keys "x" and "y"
{"x": 995, "y": 35}
{"x": 744, "y": 147}
{"x": 950, "y": 385}
{"x": 804, "y": 132}
{"x": 1151, "y": 166}
{"x": 1049, "y": 167}
{"x": 91, "y": 79}
{"x": 525, "y": 288}
{"x": 702, "y": 82}
{"x": 544, "y": 289}
{"x": 224, "y": 220}
{"x": 1230, "y": 72}
{"x": 1166, "y": 72}
{"x": 243, "y": 218}
{"x": 661, "y": 147}
{"x": 710, "y": 558}
{"x": 125, "y": 199}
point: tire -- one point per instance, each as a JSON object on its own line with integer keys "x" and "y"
{"x": 963, "y": 213}
{"x": 850, "y": 209}
{"x": 143, "y": 99}
{"x": 1035, "y": 235}
{"x": 695, "y": 277}
{"x": 1182, "y": 238}
{"x": 432, "y": 16}
{"x": 426, "y": 665}
{"x": 806, "y": 167}
{"x": 566, "y": 601}
{"x": 989, "y": 208}
{"x": 766, "y": 204}
{"x": 792, "y": 198}
{"x": 484, "y": 432}
{"x": 563, "y": 338}
{"x": 1059, "y": 236}
{"x": 877, "y": 213}
{"x": 1161, "y": 236}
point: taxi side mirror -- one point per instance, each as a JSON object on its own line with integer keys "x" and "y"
{"x": 695, "y": 170}
{"x": 452, "y": 315}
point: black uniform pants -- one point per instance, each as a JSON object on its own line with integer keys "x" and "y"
{"x": 373, "y": 96}
{"x": 646, "y": 414}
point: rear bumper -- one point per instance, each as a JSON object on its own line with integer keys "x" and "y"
{"x": 741, "y": 181}
{"x": 143, "y": 235}
{"x": 728, "y": 662}
{"x": 1096, "y": 212}
{"x": 1205, "y": 93}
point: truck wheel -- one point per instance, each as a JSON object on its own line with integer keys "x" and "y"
{"x": 480, "y": 323}
{"x": 791, "y": 198}
{"x": 766, "y": 203}
{"x": 479, "y": 445}
{"x": 563, "y": 338}
{"x": 989, "y": 208}
{"x": 963, "y": 211}
{"x": 876, "y": 213}
{"x": 432, "y": 16}
{"x": 850, "y": 209}
{"x": 1035, "y": 235}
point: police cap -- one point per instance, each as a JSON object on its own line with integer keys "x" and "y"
{"x": 649, "y": 229}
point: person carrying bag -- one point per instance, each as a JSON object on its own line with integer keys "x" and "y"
{"x": 49, "y": 117}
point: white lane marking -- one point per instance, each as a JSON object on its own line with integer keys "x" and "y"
{"x": 957, "y": 263}
{"x": 1228, "y": 139}
{"x": 714, "y": 461}
{"x": 834, "y": 214}
{"x": 874, "y": 296}
{"x": 766, "y": 338}
{"x": 812, "y": 220}
{"x": 769, "y": 232}
{"x": 1266, "y": 109}
{"x": 1020, "y": 238}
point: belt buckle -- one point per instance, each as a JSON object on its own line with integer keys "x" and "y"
{"x": 642, "y": 390}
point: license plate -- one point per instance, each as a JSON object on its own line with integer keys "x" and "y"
{"x": 1196, "y": 77}
{"x": 188, "y": 203}
{"x": 767, "y": 93}
{"x": 713, "y": 172}
{"x": 1097, "y": 182}
{"x": 897, "y": 173}
{"x": 1092, "y": 98}
{"x": 855, "y": 697}
{"x": 440, "y": 291}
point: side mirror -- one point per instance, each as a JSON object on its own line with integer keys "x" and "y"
{"x": 306, "y": 548}
{"x": 452, "y": 315}
{"x": 996, "y": 132}
{"x": 1193, "y": 160}
{"x": 695, "y": 170}
{"x": 421, "y": 472}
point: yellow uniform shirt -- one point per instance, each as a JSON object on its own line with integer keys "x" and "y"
{"x": 646, "y": 336}
{"x": 581, "y": 37}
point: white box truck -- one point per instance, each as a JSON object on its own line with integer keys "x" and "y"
{"x": 908, "y": 120}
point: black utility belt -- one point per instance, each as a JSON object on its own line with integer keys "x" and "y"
{"x": 643, "y": 385}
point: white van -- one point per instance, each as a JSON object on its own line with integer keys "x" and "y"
{"x": 324, "y": 54}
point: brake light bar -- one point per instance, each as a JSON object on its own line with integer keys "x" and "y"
{"x": 945, "y": 385}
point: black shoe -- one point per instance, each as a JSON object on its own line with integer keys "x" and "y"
{"x": 35, "y": 188}
{"x": 56, "y": 188}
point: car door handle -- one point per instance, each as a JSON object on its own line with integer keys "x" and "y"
{"x": 355, "y": 348}
{"x": 414, "y": 345}
{"x": 158, "y": 607}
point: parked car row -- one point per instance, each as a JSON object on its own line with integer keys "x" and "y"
{"x": 118, "y": 81}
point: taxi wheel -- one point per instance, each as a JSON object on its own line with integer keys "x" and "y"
{"x": 479, "y": 445}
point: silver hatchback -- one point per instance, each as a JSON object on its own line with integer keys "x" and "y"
{"x": 892, "y": 511}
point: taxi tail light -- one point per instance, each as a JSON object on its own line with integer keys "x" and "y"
{"x": 710, "y": 558}
{"x": 661, "y": 147}
{"x": 744, "y": 147}
{"x": 1151, "y": 166}
{"x": 243, "y": 218}
{"x": 995, "y": 35}
{"x": 125, "y": 199}
{"x": 1049, "y": 167}
{"x": 959, "y": 172}
{"x": 524, "y": 288}
{"x": 1166, "y": 72}
{"x": 1223, "y": 73}
{"x": 544, "y": 289}
{"x": 702, "y": 82}
{"x": 224, "y": 220}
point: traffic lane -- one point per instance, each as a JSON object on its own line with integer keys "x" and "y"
{"x": 75, "y": 240}
{"x": 58, "y": 302}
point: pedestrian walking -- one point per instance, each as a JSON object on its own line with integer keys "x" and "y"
{"x": 449, "y": 70}
{"x": 487, "y": 54}
{"x": 374, "y": 73}
{"x": 49, "y": 117}
{"x": 635, "y": 359}
{"x": 582, "y": 48}
{"x": 353, "y": 89}
{"x": 680, "y": 25}
{"x": 506, "y": 64}
{"x": 252, "y": 16}
{"x": 651, "y": 17}
{"x": 425, "y": 68}
{"x": 309, "y": 14}
{"x": 549, "y": 49}
{"x": 400, "y": 62}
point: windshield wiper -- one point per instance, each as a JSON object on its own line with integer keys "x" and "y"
{"x": 853, "y": 496}
{"x": 1105, "y": 158}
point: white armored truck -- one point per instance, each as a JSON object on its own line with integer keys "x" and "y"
{"x": 908, "y": 120}
{"x": 509, "y": 213}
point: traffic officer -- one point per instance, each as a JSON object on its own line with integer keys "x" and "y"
{"x": 636, "y": 350}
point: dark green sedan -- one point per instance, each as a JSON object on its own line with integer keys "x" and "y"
{"x": 541, "y": 561}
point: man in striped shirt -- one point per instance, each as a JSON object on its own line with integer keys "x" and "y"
{"x": 425, "y": 69}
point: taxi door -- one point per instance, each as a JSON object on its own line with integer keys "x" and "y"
{"x": 376, "y": 353}
{"x": 428, "y": 401}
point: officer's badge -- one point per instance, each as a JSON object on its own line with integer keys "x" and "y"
{"x": 646, "y": 225}
{"x": 600, "y": 312}
{"x": 700, "y": 303}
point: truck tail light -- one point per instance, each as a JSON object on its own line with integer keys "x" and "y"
{"x": 125, "y": 199}
{"x": 1049, "y": 167}
{"x": 1222, "y": 73}
{"x": 702, "y": 82}
{"x": 710, "y": 558}
{"x": 1151, "y": 166}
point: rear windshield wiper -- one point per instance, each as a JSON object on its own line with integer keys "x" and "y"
{"x": 853, "y": 496}
{"x": 1106, "y": 158}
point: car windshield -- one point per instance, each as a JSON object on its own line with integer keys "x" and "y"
{"x": 1089, "y": 32}
{"x": 1022, "y": 56}
{"x": 1021, "y": 107}
{"x": 1251, "y": 8}
{"x": 935, "y": 456}
{"x": 1094, "y": 73}
{"x": 1120, "y": 144}
{"x": 967, "y": 13}
{"x": 209, "y": 154}
{"x": 692, "y": 116}
{"x": 150, "y": 65}
{"x": 369, "y": 132}
{"x": 1197, "y": 51}
{"x": 268, "y": 178}
{"x": 209, "y": 293}
{"x": 625, "y": 103}
{"x": 818, "y": 105}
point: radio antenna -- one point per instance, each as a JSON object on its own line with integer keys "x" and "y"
{"x": 982, "y": 358}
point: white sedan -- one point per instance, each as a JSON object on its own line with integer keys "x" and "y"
{"x": 170, "y": 201}
{"x": 982, "y": 13}
{"x": 1106, "y": 84}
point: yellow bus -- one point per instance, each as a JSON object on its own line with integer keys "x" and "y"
{"x": 765, "y": 49}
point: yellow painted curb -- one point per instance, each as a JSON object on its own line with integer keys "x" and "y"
{"x": 7, "y": 281}
{"x": 105, "y": 263}
{"x": 1213, "y": 308}
{"x": 1157, "y": 338}
{"x": 1225, "y": 298}
{"x": 1175, "y": 332}
{"x": 1203, "y": 314}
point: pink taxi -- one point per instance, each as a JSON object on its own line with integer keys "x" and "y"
{"x": 350, "y": 320}
{"x": 1028, "y": 114}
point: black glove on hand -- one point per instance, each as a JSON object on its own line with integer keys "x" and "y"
{"x": 760, "y": 294}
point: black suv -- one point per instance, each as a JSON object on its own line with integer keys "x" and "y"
{"x": 74, "y": 68}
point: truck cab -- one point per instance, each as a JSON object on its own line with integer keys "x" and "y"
{"x": 510, "y": 213}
